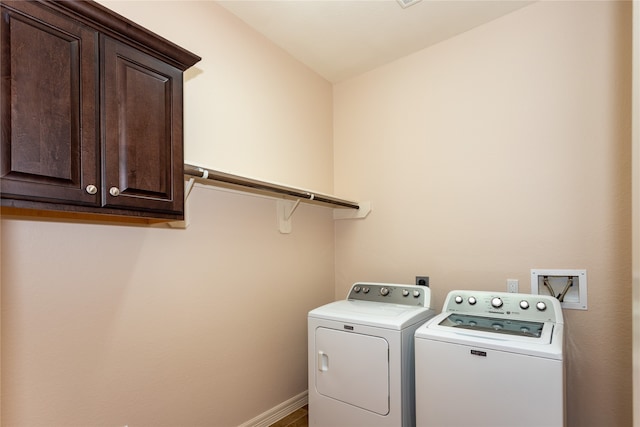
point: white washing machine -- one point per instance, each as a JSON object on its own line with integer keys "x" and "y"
{"x": 361, "y": 356}
{"x": 491, "y": 359}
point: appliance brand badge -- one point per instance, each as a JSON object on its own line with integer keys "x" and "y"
{"x": 479, "y": 353}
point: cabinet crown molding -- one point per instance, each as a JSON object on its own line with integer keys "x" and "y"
{"x": 117, "y": 26}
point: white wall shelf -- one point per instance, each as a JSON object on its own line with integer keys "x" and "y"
{"x": 290, "y": 197}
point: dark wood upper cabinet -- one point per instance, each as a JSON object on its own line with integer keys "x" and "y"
{"x": 49, "y": 106}
{"x": 142, "y": 112}
{"x": 91, "y": 112}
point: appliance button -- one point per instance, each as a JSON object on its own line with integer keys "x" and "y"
{"x": 365, "y": 290}
{"x": 524, "y": 304}
{"x": 405, "y": 293}
{"x": 472, "y": 300}
{"x": 384, "y": 291}
{"x": 356, "y": 289}
{"x": 458, "y": 299}
{"x": 496, "y": 302}
{"x": 416, "y": 294}
{"x": 541, "y": 306}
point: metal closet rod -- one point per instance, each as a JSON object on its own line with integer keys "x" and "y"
{"x": 235, "y": 180}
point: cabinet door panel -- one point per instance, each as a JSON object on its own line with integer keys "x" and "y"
{"x": 48, "y": 89}
{"x": 143, "y": 130}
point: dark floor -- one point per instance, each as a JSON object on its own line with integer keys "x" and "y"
{"x": 299, "y": 418}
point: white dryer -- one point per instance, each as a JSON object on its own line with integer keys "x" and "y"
{"x": 491, "y": 359}
{"x": 361, "y": 366}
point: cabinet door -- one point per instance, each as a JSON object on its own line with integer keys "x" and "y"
{"x": 48, "y": 106}
{"x": 142, "y": 113}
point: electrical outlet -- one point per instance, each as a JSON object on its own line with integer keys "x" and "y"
{"x": 512, "y": 286}
{"x": 422, "y": 280}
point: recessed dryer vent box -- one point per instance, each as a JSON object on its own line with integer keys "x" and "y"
{"x": 569, "y": 286}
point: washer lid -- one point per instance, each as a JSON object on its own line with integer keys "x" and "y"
{"x": 384, "y": 315}
{"x": 446, "y": 327}
{"x": 498, "y": 329}
{"x": 495, "y": 325}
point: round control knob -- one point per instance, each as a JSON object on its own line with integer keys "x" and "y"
{"x": 472, "y": 300}
{"x": 405, "y": 293}
{"x": 524, "y": 304}
{"x": 365, "y": 290}
{"x": 114, "y": 191}
{"x": 416, "y": 294}
{"x": 496, "y": 302}
{"x": 540, "y": 305}
{"x": 384, "y": 291}
{"x": 92, "y": 189}
{"x": 356, "y": 289}
{"x": 458, "y": 299}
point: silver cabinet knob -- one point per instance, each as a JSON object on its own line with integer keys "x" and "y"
{"x": 92, "y": 189}
{"x": 114, "y": 191}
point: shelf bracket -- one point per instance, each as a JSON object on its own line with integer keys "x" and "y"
{"x": 188, "y": 187}
{"x": 284, "y": 211}
{"x": 286, "y": 208}
{"x": 362, "y": 212}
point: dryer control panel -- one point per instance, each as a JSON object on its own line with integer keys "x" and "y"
{"x": 540, "y": 308}
{"x": 391, "y": 293}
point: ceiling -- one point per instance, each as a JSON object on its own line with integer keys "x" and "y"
{"x": 340, "y": 39}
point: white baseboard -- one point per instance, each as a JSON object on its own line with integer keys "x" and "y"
{"x": 278, "y": 412}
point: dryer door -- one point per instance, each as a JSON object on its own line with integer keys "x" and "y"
{"x": 353, "y": 369}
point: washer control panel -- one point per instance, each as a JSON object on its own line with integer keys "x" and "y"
{"x": 391, "y": 293}
{"x": 540, "y": 308}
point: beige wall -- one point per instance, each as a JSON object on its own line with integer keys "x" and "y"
{"x": 504, "y": 149}
{"x": 250, "y": 109}
{"x": 126, "y": 325}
